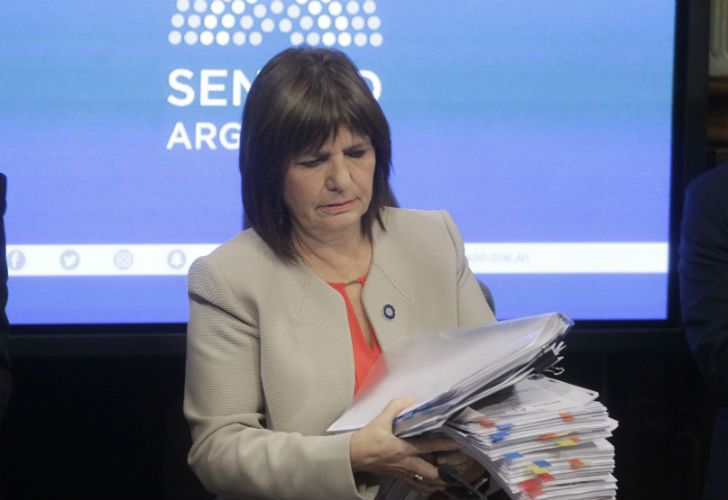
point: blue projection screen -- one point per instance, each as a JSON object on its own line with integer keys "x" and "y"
{"x": 543, "y": 127}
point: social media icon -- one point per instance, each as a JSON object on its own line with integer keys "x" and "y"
{"x": 70, "y": 260}
{"x": 16, "y": 260}
{"x": 176, "y": 259}
{"x": 123, "y": 259}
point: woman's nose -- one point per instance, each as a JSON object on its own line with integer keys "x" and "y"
{"x": 339, "y": 176}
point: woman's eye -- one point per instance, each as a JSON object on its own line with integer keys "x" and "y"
{"x": 310, "y": 163}
{"x": 357, "y": 154}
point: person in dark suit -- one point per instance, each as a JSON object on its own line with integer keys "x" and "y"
{"x": 704, "y": 298}
{"x": 6, "y": 380}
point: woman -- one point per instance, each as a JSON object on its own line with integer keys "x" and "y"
{"x": 286, "y": 318}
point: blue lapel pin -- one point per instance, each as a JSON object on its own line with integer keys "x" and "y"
{"x": 389, "y": 311}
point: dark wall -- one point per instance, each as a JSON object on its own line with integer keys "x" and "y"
{"x": 664, "y": 414}
{"x": 96, "y": 427}
{"x": 110, "y": 426}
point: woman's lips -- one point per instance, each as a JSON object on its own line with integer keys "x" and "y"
{"x": 339, "y": 207}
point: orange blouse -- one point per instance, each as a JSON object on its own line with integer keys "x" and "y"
{"x": 364, "y": 354}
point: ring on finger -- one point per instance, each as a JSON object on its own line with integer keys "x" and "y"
{"x": 418, "y": 478}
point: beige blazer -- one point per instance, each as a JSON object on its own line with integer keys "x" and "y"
{"x": 270, "y": 361}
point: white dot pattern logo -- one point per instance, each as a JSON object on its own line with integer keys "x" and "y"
{"x": 194, "y": 21}
{"x": 222, "y": 37}
{"x": 335, "y": 8}
{"x": 191, "y": 38}
{"x": 175, "y": 37}
{"x": 324, "y": 22}
{"x": 329, "y": 39}
{"x": 313, "y": 38}
{"x": 217, "y": 7}
{"x": 200, "y": 6}
{"x": 210, "y": 22}
{"x": 228, "y": 21}
{"x": 267, "y": 25}
{"x": 285, "y": 25}
{"x": 306, "y": 23}
{"x": 206, "y": 38}
{"x": 248, "y": 22}
{"x": 294, "y": 11}
{"x": 315, "y": 8}
{"x": 255, "y": 38}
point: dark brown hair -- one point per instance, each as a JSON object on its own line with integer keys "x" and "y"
{"x": 298, "y": 101}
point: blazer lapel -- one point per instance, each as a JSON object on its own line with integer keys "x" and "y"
{"x": 387, "y": 301}
{"x": 321, "y": 327}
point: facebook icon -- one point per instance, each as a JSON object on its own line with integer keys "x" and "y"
{"x": 16, "y": 260}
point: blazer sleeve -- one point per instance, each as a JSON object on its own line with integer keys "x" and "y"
{"x": 704, "y": 277}
{"x": 233, "y": 453}
{"x": 472, "y": 307}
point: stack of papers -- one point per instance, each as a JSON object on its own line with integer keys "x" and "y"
{"x": 541, "y": 439}
{"x": 449, "y": 371}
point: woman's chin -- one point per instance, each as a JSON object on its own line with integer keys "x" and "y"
{"x": 339, "y": 223}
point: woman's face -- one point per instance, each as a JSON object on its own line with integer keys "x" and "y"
{"x": 329, "y": 190}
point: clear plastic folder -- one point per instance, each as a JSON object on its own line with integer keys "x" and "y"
{"x": 447, "y": 371}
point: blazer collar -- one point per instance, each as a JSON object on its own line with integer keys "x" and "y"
{"x": 387, "y": 296}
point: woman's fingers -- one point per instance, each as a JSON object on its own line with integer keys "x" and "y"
{"x": 416, "y": 465}
{"x": 394, "y": 408}
{"x": 376, "y": 449}
{"x": 425, "y": 445}
{"x": 422, "y": 476}
{"x": 455, "y": 458}
{"x": 374, "y": 445}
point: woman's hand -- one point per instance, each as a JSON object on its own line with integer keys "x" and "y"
{"x": 376, "y": 449}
